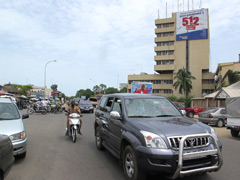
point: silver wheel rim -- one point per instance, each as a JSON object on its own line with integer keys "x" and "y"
{"x": 98, "y": 140}
{"x": 129, "y": 165}
{"x": 220, "y": 123}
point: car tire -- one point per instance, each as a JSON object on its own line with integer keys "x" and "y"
{"x": 98, "y": 139}
{"x": 190, "y": 114}
{"x": 234, "y": 133}
{"x": 130, "y": 165}
{"x": 220, "y": 123}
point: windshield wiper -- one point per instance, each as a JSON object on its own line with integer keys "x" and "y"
{"x": 141, "y": 116}
{"x": 165, "y": 115}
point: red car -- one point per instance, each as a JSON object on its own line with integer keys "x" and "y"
{"x": 190, "y": 111}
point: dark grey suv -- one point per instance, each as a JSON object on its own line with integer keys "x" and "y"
{"x": 148, "y": 134}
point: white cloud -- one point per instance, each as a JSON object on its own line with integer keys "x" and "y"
{"x": 95, "y": 39}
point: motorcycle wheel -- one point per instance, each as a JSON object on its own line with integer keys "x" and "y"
{"x": 30, "y": 111}
{"x": 74, "y": 135}
{"x": 44, "y": 112}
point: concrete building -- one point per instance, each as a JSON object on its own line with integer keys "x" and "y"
{"x": 175, "y": 51}
{"x": 221, "y": 72}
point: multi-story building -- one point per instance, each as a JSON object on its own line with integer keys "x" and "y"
{"x": 175, "y": 51}
{"x": 221, "y": 72}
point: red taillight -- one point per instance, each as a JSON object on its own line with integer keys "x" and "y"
{"x": 210, "y": 116}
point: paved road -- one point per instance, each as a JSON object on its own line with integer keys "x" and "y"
{"x": 53, "y": 156}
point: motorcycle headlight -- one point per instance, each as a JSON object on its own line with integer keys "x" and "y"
{"x": 17, "y": 136}
{"x": 153, "y": 140}
{"x": 213, "y": 134}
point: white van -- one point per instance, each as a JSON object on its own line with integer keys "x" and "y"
{"x": 11, "y": 124}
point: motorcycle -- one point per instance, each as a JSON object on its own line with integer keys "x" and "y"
{"x": 74, "y": 123}
{"x": 35, "y": 109}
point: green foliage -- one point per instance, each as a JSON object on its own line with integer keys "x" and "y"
{"x": 233, "y": 76}
{"x": 123, "y": 90}
{"x": 54, "y": 87}
{"x": 183, "y": 81}
{"x": 111, "y": 90}
{"x": 24, "y": 89}
{"x": 186, "y": 100}
{"x": 82, "y": 92}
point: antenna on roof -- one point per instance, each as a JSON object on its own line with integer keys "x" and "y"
{"x": 166, "y": 9}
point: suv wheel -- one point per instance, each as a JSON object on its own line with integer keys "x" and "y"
{"x": 190, "y": 114}
{"x": 220, "y": 123}
{"x": 234, "y": 133}
{"x": 130, "y": 166}
{"x": 98, "y": 139}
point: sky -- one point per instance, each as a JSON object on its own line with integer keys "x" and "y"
{"x": 98, "y": 41}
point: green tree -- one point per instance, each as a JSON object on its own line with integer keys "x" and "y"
{"x": 123, "y": 90}
{"x": 24, "y": 89}
{"x": 183, "y": 81}
{"x": 54, "y": 87}
{"x": 233, "y": 76}
{"x": 82, "y": 92}
{"x": 111, "y": 90}
{"x": 102, "y": 88}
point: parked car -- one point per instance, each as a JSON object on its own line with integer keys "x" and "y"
{"x": 215, "y": 116}
{"x": 190, "y": 111}
{"x": 6, "y": 156}
{"x": 93, "y": 100}
{"x": 12, "y": 125}
{"x": 148, "y": 134}
{"x": 86, "y": 106}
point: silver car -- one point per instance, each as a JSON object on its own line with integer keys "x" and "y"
{"x": 11, "y": 124}
{"x": 216, "y": 116}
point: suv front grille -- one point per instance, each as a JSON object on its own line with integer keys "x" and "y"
{"x": 190, "y": 143}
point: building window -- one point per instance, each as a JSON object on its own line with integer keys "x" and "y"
{"x": 208, "y": 81}
{"x": 167, "y": 91}
{"x": 165, "y": 43}
{"x": 165, "y": 34}
{"x": 163, "y": 62}
{"x": 207, "y": 91}
{"x": 165, "y": 25}
{"x": 168, "y": 81}
{"x": 162, "y": 53}
{"x": 156, "y": 91}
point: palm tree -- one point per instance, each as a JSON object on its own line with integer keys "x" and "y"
{"x": 183, "y": 81}
{"x": 233, "y": 76}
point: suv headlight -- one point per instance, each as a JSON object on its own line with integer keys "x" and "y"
{"x": 213, "y": 134}
{"x": 153, "y": 140}
{"x": 17, "y": 136}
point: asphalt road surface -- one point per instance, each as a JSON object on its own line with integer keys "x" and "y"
{"x": 53, "y": 156}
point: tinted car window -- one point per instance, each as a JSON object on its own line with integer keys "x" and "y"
{"x": 109, "y": 104}
{"x": 8, "y": 111}
{"x": 223, "y": 111}
{"x": 117, "y": 105}
{"x": 150, "y": 107}
{"x": 102, "y": 103}
{"x": 180, "y": 105}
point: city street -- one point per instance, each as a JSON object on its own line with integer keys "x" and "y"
{"x": 53, "y": 156}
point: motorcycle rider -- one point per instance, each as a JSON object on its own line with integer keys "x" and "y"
{"x": 73, "y": 109}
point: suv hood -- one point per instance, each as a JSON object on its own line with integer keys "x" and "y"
{"x": 10, "y": 127}
{"x": 170, "y": 126}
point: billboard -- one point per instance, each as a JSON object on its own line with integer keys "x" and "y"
{"x": 192, "y": 25}
{"x": 141, "y": 87}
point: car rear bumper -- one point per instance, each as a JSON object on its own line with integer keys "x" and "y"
{"x": 179, "y": 163}
{"x": 19, "y": 147}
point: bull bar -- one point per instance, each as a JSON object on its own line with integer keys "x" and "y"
{"x": 182, "y": 156}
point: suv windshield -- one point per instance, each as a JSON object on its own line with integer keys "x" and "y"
{"x": 8, "y": 111}
{"x": 150, "y": 108}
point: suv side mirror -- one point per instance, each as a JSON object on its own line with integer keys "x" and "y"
{"x": 115, "y": 115}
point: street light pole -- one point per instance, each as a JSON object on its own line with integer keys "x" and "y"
{"x": 45, "y": 74}
{"x": 95, "y": 85}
